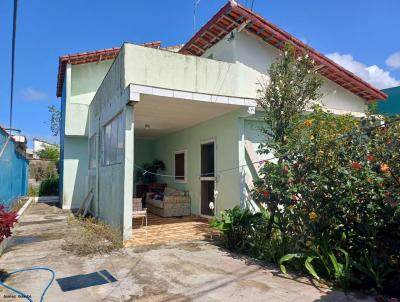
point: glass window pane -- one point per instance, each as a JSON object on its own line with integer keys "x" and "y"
{"x": 107, "y": 140}
{"x": 113, "y": 143}
{"x": 120, "y": 147}
{"x": 180, "y": 166}
{"x": 92, "y": 152}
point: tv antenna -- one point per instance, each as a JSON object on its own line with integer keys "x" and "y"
{"x": 195, "y": 5}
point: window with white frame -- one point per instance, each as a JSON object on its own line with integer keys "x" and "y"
{"x": 113, "y": 141}
{"x": 180, "y": 166}
{"x": 92, "y": 152}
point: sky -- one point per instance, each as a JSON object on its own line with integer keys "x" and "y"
{"x": 361, "y": 35}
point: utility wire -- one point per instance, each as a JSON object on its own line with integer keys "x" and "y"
{"x": 12, "y": 76}
{"x": 366, "y": 131}
{"x": 252, "y": 5}
{"x": 13, "y": 62}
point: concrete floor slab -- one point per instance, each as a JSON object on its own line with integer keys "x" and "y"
{"x": 177, "y": 271}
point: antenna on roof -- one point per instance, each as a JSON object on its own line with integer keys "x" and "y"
{"x": 195, "y": 4}
{"x": 252, "y": 5}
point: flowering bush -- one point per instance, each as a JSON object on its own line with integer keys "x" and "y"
{"x": 330, "y": 198}
{"x": 336, "y": 193}
{"x": 7, "y": 221}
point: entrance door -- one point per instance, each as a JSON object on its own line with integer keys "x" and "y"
{"x": 207, "y": 178}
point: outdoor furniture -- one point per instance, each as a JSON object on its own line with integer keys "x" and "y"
{"x": 170, "y": 203}
{"x": 137, "y": 210}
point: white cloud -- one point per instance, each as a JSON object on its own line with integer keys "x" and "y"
{"x": 394, "y": 60}
{"x": 373, "y": 74}
{"x": 30, "y": 94}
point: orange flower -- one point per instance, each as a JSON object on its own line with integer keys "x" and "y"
{"x": 384, "y": 168}
{"x": 356, "y": 166}
{"x": 312, "y": 216}
{"x": 308, "y": 123}
{"x": 370, "y": 157}
{"x": 266, "y": 194}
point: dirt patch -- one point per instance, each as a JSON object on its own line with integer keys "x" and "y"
{"x": 88, "y": 236}
{"x": 19, "y": 204}
{"x": 153, "y": 294}
{"x": 189, "y": 246}
{"x": 254, "y": 284}
{"x": 177, "y": 265}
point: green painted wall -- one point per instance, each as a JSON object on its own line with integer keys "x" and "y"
{"x": 144, "y": 153}
{"x": 81, "y": 84}
{"x": 75, "y": 171}
{"x": 392, "y": 105}
{"x": 224, "y": 130}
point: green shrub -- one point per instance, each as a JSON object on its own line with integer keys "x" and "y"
{"x": 244, "y": 231}
{"x": 335, "y": 194}
{"x": 49, "y": 187}
{"x": 33, "y": 191}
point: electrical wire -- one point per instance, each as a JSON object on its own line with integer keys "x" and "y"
{"x": 23, "y": 295}
{"x": 366, "y": 131}
{"x": 13, "y": 62}
{"x": 12, "y": 75}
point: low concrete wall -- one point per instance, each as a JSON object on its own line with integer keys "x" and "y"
{"x": 6, "y": 241}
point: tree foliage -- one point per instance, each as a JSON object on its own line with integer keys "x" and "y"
{"x": 55, "y": 120}
{"x": 293, "y": 84}
{"x": 50, "y": 153}
{"x": 330, "y": 199}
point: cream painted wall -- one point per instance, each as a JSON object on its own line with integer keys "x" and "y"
{"x": 165, "y": 69}
{"x": 249, "y": 50}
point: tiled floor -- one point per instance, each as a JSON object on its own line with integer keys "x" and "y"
{"x": 161, "y": 230}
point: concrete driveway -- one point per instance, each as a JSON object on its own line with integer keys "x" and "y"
{"x": 181, "y": 271}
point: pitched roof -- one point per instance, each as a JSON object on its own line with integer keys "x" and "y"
{"x": 89, "y": 57}
{"x": 234, "y": 15}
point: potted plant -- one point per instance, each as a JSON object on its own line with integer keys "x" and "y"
{"x": 147, "y": 173}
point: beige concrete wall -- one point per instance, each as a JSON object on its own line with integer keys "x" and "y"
{"x": 164, "y": 69}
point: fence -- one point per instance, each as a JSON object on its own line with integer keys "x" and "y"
{"x": 14, "y": 169}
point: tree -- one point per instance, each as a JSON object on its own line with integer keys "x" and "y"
{"x": 50, "y": 153}
{"x": 293, "y": 84}
{"x": 55, "y": 120}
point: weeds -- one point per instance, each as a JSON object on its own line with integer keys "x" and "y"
{"x": 89, "y": 236}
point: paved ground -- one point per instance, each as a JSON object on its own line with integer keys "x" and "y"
{"x": 161, "y": 230}
{"x": 183, "y": 271}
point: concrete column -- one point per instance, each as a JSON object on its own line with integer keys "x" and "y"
{"x": 128, "y": 171}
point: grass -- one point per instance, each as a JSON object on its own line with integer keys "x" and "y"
{"x": 89, "y": 236}
{"x": 19, "y": 204}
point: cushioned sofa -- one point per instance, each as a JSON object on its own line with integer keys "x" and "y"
{"x": 169, "y": 203}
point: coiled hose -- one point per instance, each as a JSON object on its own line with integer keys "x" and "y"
{"x": 23, "y": 295}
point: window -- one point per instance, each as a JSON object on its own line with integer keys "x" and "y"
{"x": 92, "y": 152}
{"x": 180, "y": 166}
{"x": 113, "y": 141}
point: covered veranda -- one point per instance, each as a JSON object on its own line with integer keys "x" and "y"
{"x": 167, "y": 122}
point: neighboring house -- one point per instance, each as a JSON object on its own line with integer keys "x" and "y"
{"x": 194, "y": 109}
{"x": 39, "y": 144}
{"x": 14, "y": 168}
{"x": 392, "y": 104}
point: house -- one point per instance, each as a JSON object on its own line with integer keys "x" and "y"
{"x": 14, "y": 168}
{"x": 39, "y": 144}
{"x": 195, "y": 109}
{"x": 392, "y": 105}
